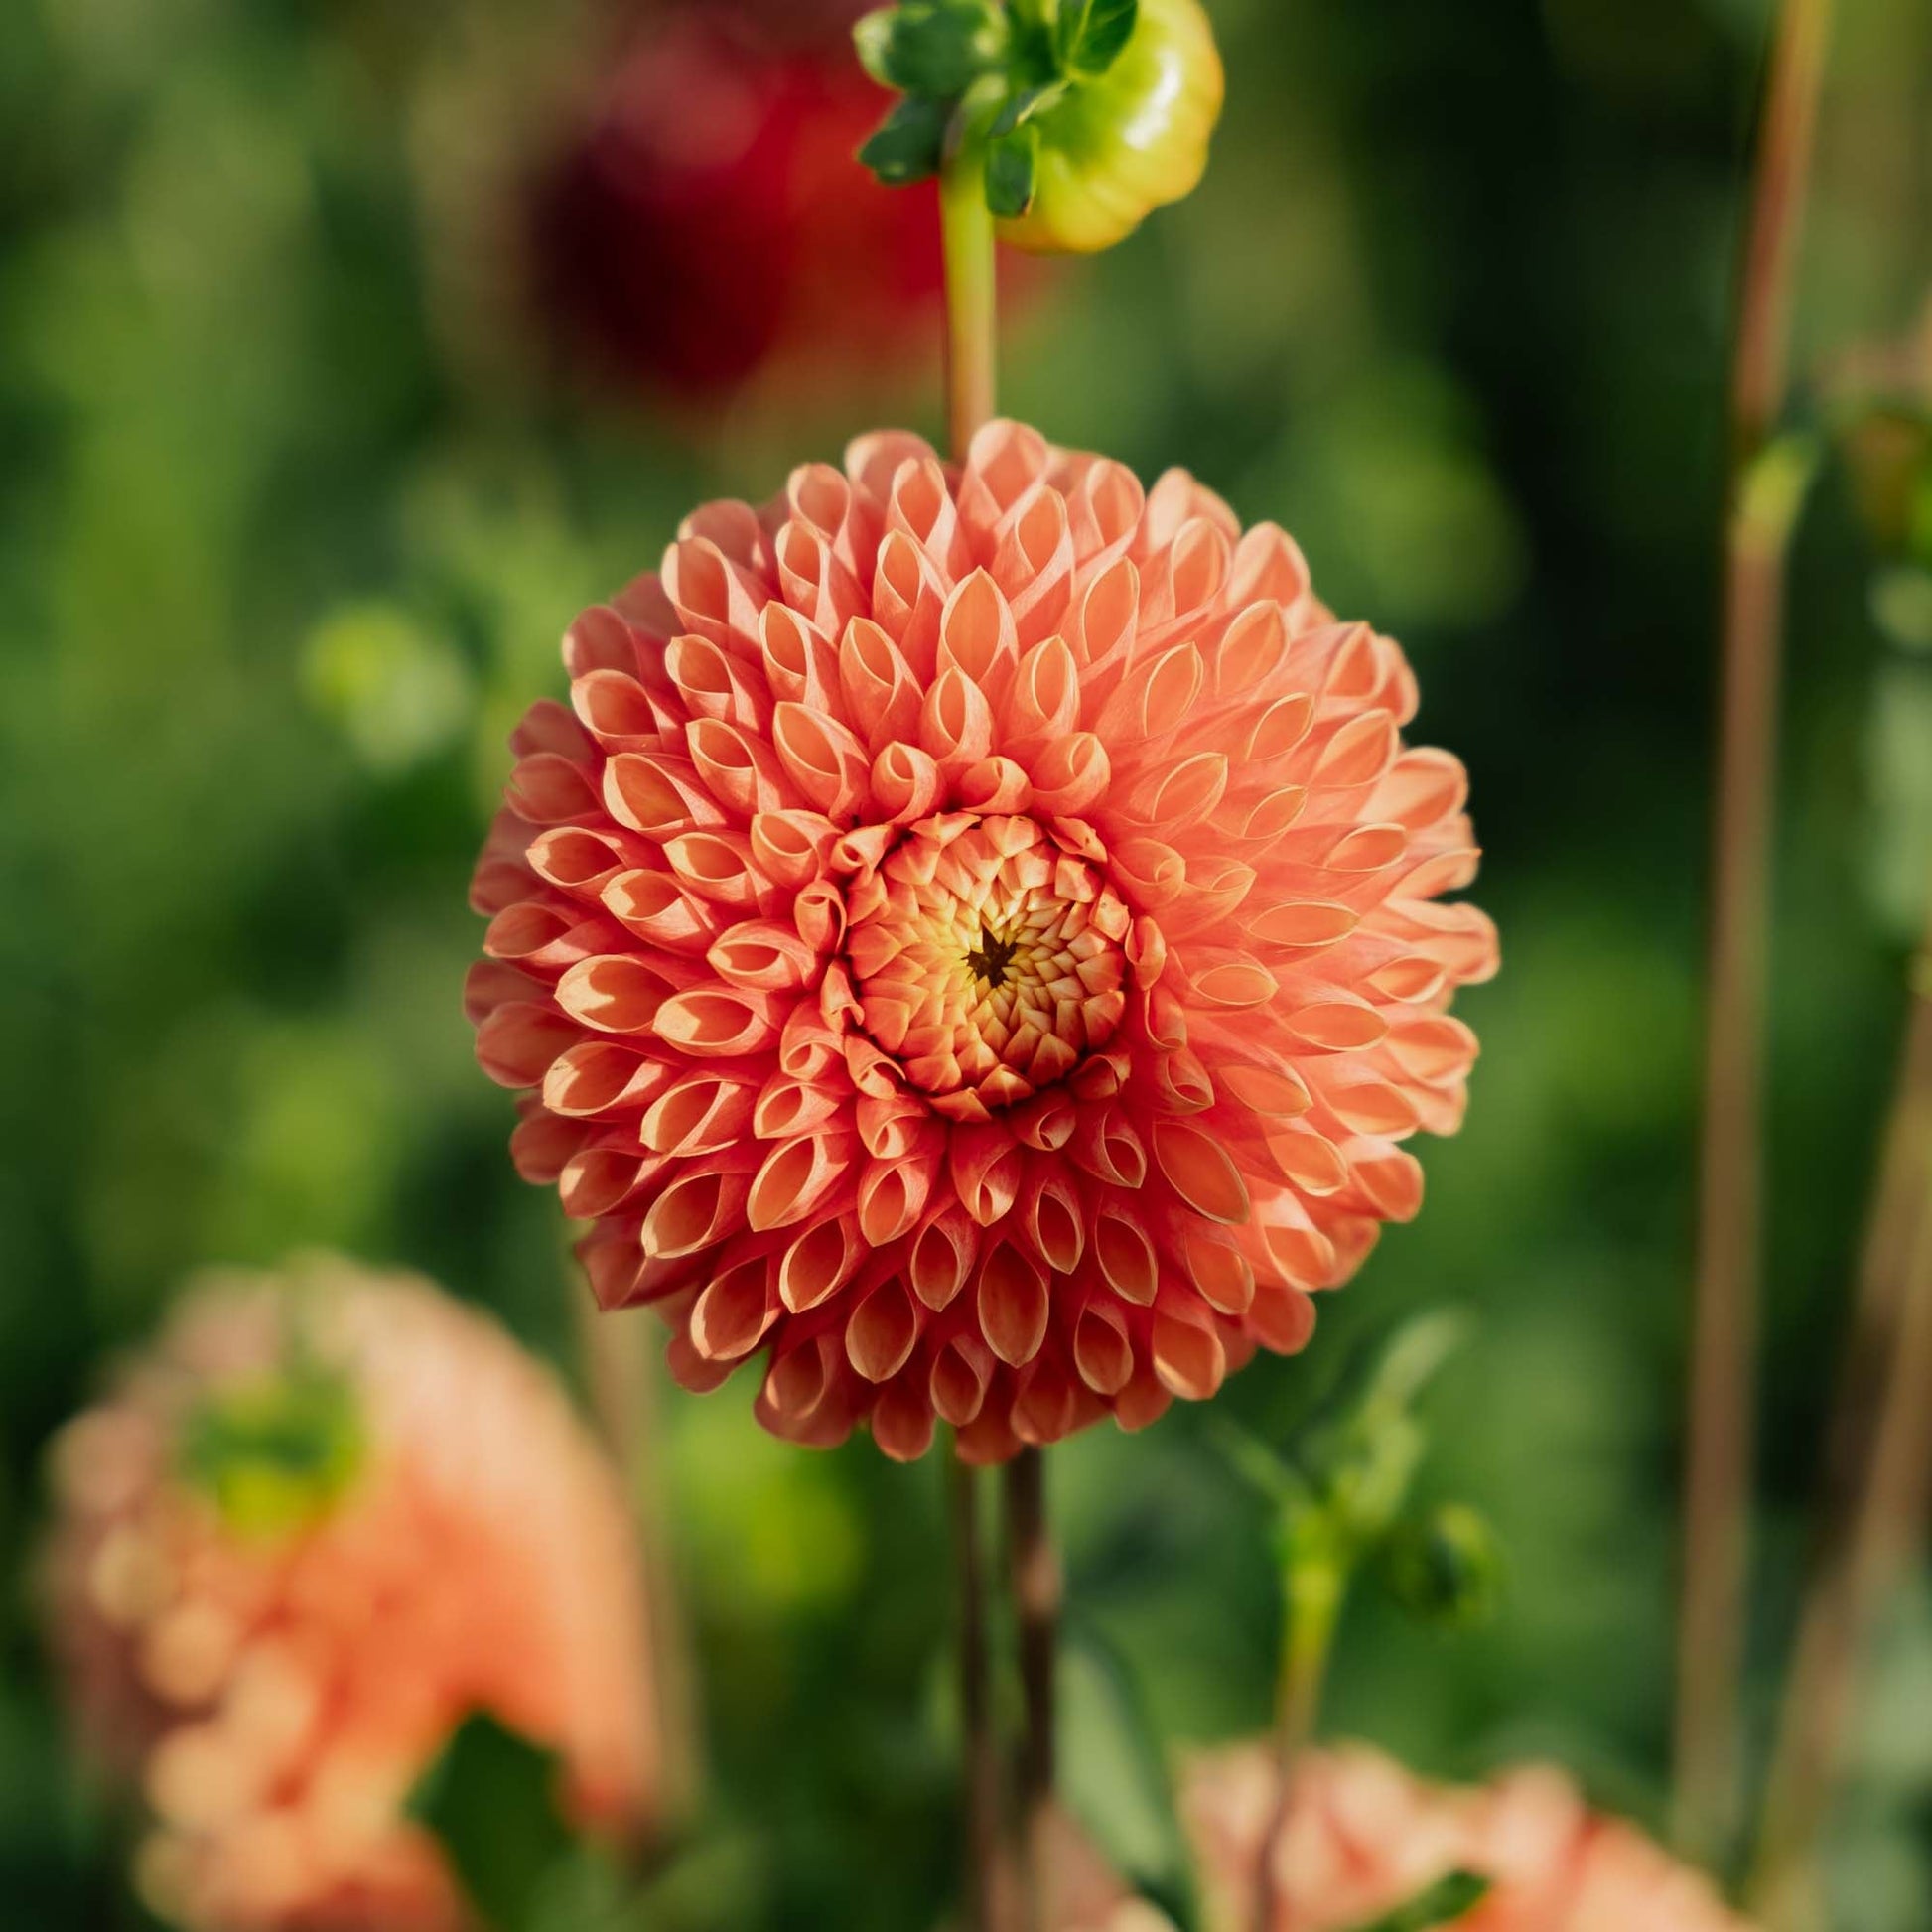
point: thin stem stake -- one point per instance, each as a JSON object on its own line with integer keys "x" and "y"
{"x": 1035, "y": 1573}
{"x": 1758, "y": 525}
{"x": 1878, "y": 1482}
{"x": 981, "y": 1765}
{"x": 619, "y": 1374}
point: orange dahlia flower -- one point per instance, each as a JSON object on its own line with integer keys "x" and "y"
{"x": 321, "y": 1523}
{"x": 1365, "y": 1837}
{"x": 978, "y": 939}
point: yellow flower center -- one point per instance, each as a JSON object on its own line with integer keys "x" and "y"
{"x": 988, "y": 960}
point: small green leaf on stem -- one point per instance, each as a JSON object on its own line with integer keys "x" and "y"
{"x": 1773, "y": 488}
{"x": 871, "y": 36}
{"x": 1021, "y": 107}
{"x": 1091, "y": 34}
{"x": 1446, "y": 1567}
{"x": 1445, "y": 1901}
{"x": 910, "y": 144}
{"x": 1414, "y": 1356}
{"x": 935, "y": 48}
{"x": 1012, "y": 172}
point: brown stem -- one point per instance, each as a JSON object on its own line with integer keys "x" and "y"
{"x": 623, "y": 1385}
{"x": 1036, "y": 1574}
{"x": 981, "y": 1765}
{"x": 1878, "y": 1482}
{"x": 1731, "y": 1154}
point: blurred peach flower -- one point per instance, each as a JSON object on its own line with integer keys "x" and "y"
{"x": 980, "y": 939}
{"x": 326, "y": 1519}
{"x": 1365, "y": 1837}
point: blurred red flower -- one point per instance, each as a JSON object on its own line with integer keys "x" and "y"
{"x": 707, "y": 218}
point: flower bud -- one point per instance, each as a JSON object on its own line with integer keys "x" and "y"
{"x": 1113, "y": 148}
{"x": 1446, "y": 1567}
{"x": 1082, "y": 117}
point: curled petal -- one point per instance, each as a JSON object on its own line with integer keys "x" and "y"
{"x": 599, "y": 1078}
{"x": 695, "y": 1211}
{"x": 1102, "y": 1352}
{"x": 961, "y": 1372}
{"x": 819, "y": 1263}
{"x": 1200, "y": 1172}
{"x": 1012, "y": 1303}
{"x": 796, "y": 1177}
{"x": 901, "y": 1421}
{"x": 941, "y": 1258}
{"x": 826, "y": 763}
{"x": 734, "y": 1313}
{"x": 762, "y": 955}
{"x": 718, "y": 1022}
{"x": 1187, "y": 1357}
{"x": 985, "y": 1167}
{"x": 517, "y": 1044}
{"x": 881, "y": 1334}
{"x": 789, "y": 847}
{"x": 1126, "y": 1257}
{"x": 956, "y": 721}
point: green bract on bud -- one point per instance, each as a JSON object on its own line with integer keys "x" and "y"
{"x": 1084, "y": 115}
{"x": 275, "y": 1453}
{"x": 1446, "y": 1567}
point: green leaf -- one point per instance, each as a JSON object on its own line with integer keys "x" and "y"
{"x": 1028, "y": 102}
{"x": 1362, "y": 1453}
{"x": 1414, "y": 1356}
{"x": 1446, "y": 1567}
{"x": 910, "y": 143}
{"x": 933, "y": 48}
{"x": 1011, "y": 171}
{"x": 491, "y": 1800}
{"x": 872, "y": 37}
{"x": 1114, "y": 1775}
{"x": 1445, "y": 1901}
{"x": 1093, "y": 33}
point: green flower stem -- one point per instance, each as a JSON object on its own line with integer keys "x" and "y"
{"x": 1314, "y": 1589}
{"x": 966, "y": 230}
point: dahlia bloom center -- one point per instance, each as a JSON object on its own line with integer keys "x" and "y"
{"x": 986, "y": 960}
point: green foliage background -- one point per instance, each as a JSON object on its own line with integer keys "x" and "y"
{"x": 278, "y": 569}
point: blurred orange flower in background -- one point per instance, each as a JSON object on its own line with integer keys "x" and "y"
{"x": 329, "y": 1516}
{"x": 1365, "y": 1838}
{"x": 979, "y": 939}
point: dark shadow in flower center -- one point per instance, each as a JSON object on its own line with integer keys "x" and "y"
{"x": 990, "y": 958}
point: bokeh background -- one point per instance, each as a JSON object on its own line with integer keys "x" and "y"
{"x": 348, "y": 348}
